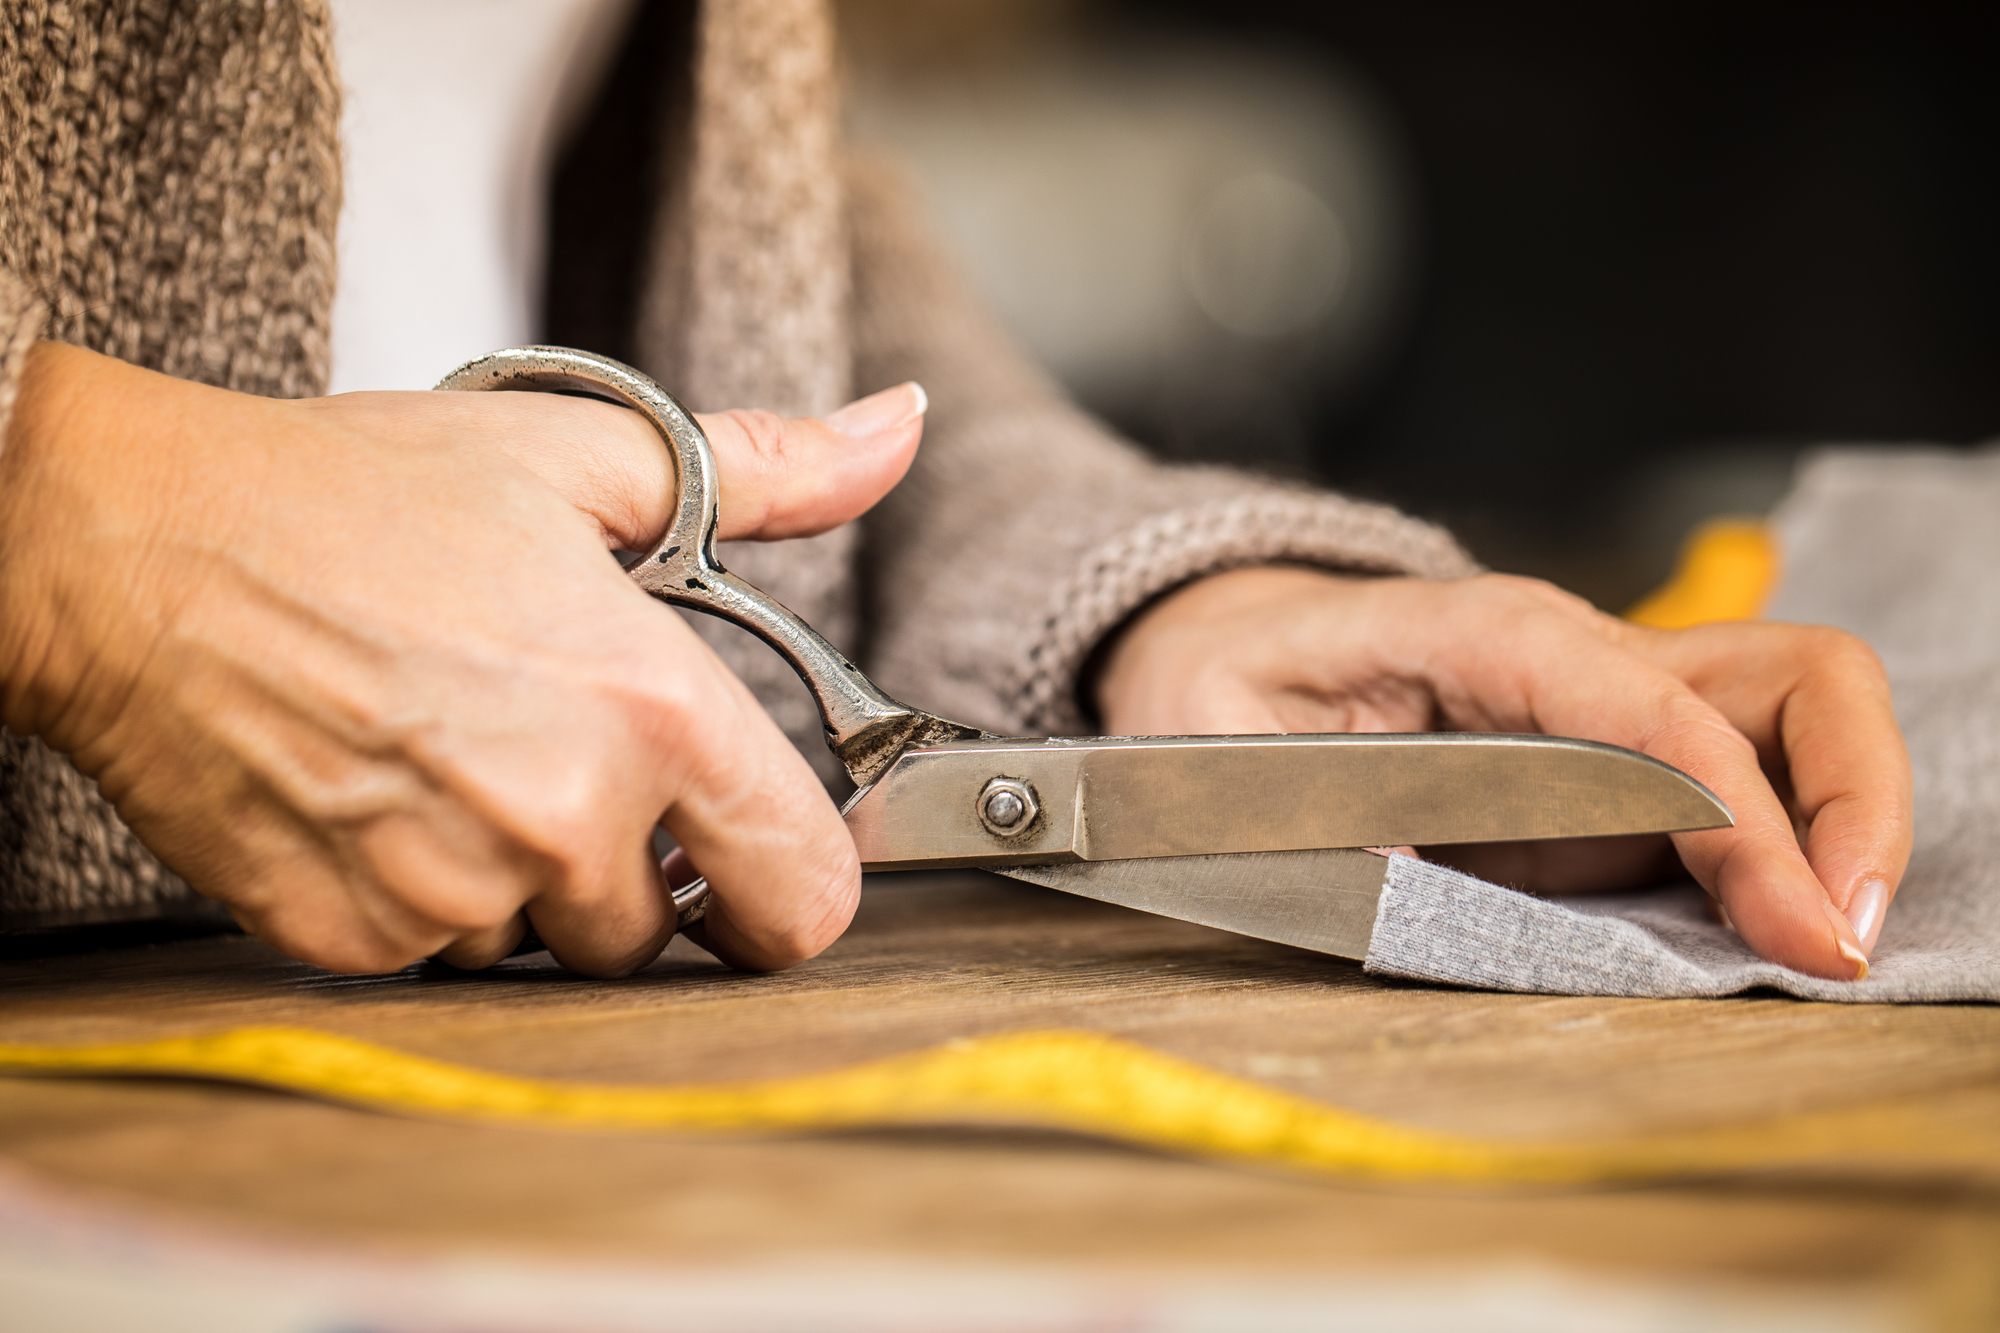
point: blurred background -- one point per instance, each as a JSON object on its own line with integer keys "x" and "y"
{"x": 1567, "y": 278}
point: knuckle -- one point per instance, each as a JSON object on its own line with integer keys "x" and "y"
{"x": 1844, "y": 652}
{"x": 367, "y": 778}
{"x": 764, "y": 432}
{"x": 823, "y": 917}
{"x": 451, "y": 873}
{"x": 1529, "y": 593}
{"x": 564, "y": 829}
{"x": 476, "y": 906}
{"x": 327, "y": 914}
{"x": 1690, "y": 722}
{"x": 355, "y": 947}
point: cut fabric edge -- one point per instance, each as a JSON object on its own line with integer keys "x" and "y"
{"x": 1442, "y": 926}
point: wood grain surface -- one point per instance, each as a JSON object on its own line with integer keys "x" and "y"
{"x": 933, "y": 957}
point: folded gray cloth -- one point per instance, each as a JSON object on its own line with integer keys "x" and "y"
{"x": 1898, "y": 546}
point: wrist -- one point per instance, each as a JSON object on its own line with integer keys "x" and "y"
{"x": 76, "y": 491}
{"x": 49, "y": 403}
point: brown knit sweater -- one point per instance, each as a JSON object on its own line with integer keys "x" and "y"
{"x": 169, "y": 185}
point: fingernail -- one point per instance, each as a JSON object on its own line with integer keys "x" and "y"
{"x": 1843, "y": 940}
{"x": 881, "y": 411}
{"x": 1866, "y": 909}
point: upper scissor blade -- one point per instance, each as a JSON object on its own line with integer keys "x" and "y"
{"x": 1112, "y": 799}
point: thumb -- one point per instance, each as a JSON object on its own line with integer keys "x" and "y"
{"x": 793, "y": 478}
{"x": 779, "y": 477}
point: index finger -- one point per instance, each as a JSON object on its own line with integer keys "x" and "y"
{"x": 1504, "y": 659}
{"x": 1815, "y": 703}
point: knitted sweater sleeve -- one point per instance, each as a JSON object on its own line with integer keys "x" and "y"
{"x": 1026, "y": 532}
{"x": 21, "y": 319}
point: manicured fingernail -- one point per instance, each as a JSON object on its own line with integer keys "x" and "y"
{"x": 1843, "y": 940}
{"x": 1866, "y": 909}
{"x": 881, "y": 411}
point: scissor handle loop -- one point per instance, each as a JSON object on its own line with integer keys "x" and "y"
{"x": 865, "y": 728}
{"x": 566, "y": 370}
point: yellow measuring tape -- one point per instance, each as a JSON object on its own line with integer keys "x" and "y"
{"x": 1076, "y": 1081}
{"x": 1728, "y": 569}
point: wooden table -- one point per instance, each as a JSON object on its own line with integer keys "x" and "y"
{"x": 1064, "y": 1221}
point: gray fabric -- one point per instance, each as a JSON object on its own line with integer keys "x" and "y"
{"x": 1901, "y": 547}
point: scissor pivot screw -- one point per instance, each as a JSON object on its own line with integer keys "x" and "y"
{"x": 1007, "y": 806}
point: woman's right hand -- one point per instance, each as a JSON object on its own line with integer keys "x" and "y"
{"x": 362, "y": 669}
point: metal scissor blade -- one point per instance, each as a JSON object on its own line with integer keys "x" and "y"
{"x": 1322, "y": 900}
{"x": 1118, "y": 798}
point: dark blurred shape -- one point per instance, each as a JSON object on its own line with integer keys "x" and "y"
{"x": 604, "y": 192}
{"x": 1205, "y": 240}
{"x": 59, "y": 940}
{"x": 1649, "y": 227}
{"x": 1647, "y": 252}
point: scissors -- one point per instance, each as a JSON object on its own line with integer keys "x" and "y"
{"x": 1261, "y": 835}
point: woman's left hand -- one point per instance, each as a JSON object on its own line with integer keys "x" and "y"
{"x": 1790, "y": 725}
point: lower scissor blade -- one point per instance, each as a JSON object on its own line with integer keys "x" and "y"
{"x": 1321, "y": 900}
{"x": 1115, "y": 799}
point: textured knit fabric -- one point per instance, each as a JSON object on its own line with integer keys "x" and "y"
{"x": 169, "y": 180}
{"x": 1901, "y": 547}
{"x": 169, "y": 186}
{"x": 747, "y": 304}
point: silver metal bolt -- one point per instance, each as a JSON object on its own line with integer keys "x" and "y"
{"x": 1007, "y": 806}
